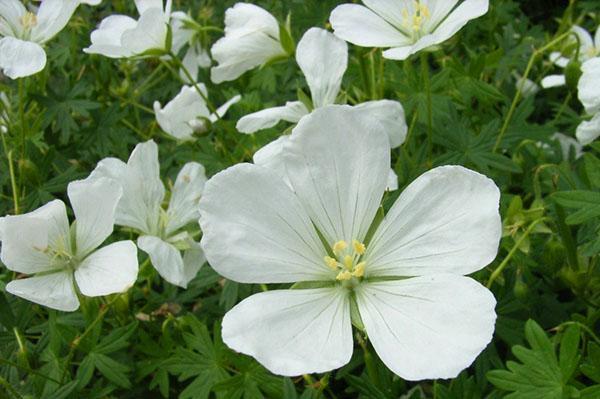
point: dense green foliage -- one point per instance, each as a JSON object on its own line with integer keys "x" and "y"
{"x": 158, "y": 340}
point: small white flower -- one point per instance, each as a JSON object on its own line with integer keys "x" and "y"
{"x": 407, "y": 26}
{"x": 588, "y": 49}
{"x": 22, "y": 33}
{"x": 251, "y": 39}
{"x": 567, "y": 143}
{"x": 121, "y": 36}
{"x": 527, "y": 87}
{"x": 163, "y": 235}
{"x": 196, "y": 56}
{"x": 42, "y": 243}
{"x": 405, "y": 279}
{"x": 323, "y": 58}
{"x": 186, "y": 113}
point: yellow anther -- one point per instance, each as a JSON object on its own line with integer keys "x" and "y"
{"x": 339, "y": 246}
{"x": 359, "y": 247}
{"x": 348, "y": 262}
{"x": 332, "y": 263}
{"x": 359, "y": 270}
{"x": 29, "y": 20}
{"x": 345, "y": 275}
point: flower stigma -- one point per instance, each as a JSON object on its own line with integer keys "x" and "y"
{"x": 347, "y": 262}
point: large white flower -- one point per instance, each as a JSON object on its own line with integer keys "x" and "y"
{"x": 187, "y": 113}
{"x": 251, "y": 39}
{"x": 588, "y": 48}
{"x": 162, "y": 231}
{"x": 42, "y": 243}
{"x": 121, "y": 36}
{"x": 323, "y": 58}
{"x": 405, "y": 277}
{"x": 22, "y": 33}
{"x": 407, "y": 26}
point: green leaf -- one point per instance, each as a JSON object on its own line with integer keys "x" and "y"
{"x": 587, "y": 204}
{"x": 569, "y": 357}
{"x": 114, "y": 371}
{"x": 592, "y": 169}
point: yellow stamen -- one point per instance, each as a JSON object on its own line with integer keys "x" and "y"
{"x": 339, "y": 246}
{"x": 29, "y": 20}
{"x": 332, "y": 263}
{"x": 359, "y": 270}
{"x": 345, "y": 275}
{"x": 348, "y": 261}
{"x": 359, "y": 247}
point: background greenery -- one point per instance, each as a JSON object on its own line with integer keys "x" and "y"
{"x": 161, "y": 341}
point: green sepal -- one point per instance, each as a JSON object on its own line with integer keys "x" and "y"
{"x": 169, "y": 39}
{"x": 285, "y": 37}
{"x": 355, "y": 314}
{"x": 305, "y": 99}
{"x": 572, "y": 74}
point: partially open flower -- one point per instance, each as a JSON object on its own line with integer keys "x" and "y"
{"x": 407, "y": 26}
{"x": 401, "y": 279}
{"x": 42, "y": 243}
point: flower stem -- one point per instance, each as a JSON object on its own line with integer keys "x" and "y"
{"x": 11, "y": 171}
{"x": 427, "y": 83}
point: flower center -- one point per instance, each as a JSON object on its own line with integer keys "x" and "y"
{"x": 347, "y": 261}
{"x": 414, "y": 16}
{"x": 29, "y": 20}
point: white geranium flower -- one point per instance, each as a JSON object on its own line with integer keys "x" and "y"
{"x": 42, "y": 243}
{"x": 588, "y": 131}
{"x": 407, "y": 26}
{"x": 162, "y": 231}
{"x": 120, "y": 36}
{"x": 588, "y": 49}
{"x": 23, "y": 33}
{"x": 588, "y": 88}
{"x": 196, "y": 56}
{"x": 187, "y": 112}
{"x": 251, "y": 39}
{"x": 404, "y": 278}
{"x": 323, "y": 58}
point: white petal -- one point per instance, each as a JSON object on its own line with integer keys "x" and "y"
{"x": 338, "y": 162}
{"x": 143, "y": 191}
{"x": 109, "y": 270}
{"x": 466, "y": 11}
{"x": 52, "y": 17}
{"x": 588, "y": 92}
{"x": 271, "y": 157}
{"x": 195, "y": 58}
{"x": 438, "y": 11}
{"x": 150, "y": 33}
{"x": 251, "y": 39}
{"x": 52, "y": 290}
{"x": 553, "y": 81}
{"x": 567, "y": 142}
{"x": 94, "y": 202}
{"x": 167, "y": 260}
{"x": 11, "y": 12}
{"x": 181, "y": 35}
{"x": 19, "y": 58}
{"x": 256, "y": 231}
{"x": 587, "y": 132}
{"x": 359, "y": 25}
{"x": 323, "y": 58}
{"x": 144, "y": 5}
{"x": 292, "y": 111}
{"x": 392, "y": 183}
{"x": 446, "y": 221}
{"x": 177, "y": 116}
{"x": 183, "y": 206}
{"x": 557, "y": 59}
{"x": 427, "y": 327}
{"x": 585, "y": 40}
{"x": 400, "y": 53}
{"x": 222, "y": 110}
{"x": 390, "y": 114}
{"x": 90, "y": 2}
{"x": 106, "y": 40}
{"x": 293, "y": 332}
{"x": 26, "y": 238}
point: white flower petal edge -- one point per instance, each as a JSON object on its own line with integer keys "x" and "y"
{"x": 553, "y": 81}
{"x": 52, "y": 290}
{"x": 588, "y": 131}
{"x": 292, "y": 111}
{"x": 106, "y": 40}
{"x": 587, "y": 88}
{"x": 446, "y": 221}
{"x": 188, "y": 188}
{"x": 249, "y": 216}
{"x": 176, "y": 117}
{"x": 109, "y": 270}
{"x": 19, "y": 58}
{"x": 293, "y": 332}
{"x": 271, "y": 157}
{"x": 427, "y": 327}
{"x": 323, "y": 58}
{"x": 338, "y": 163}
{"x": 390, "y": 114}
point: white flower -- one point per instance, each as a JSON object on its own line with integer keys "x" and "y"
{"x": 527, "y": 87}
{"x": 251, "y": 39}
{"x": 22, "y": 33}
{"x": 196, "y": 56}
{"x": 140, "y": 207}
{"x": 407, "y": 26}
{"x": 121, "y": 36}
{"x": 588, "y": 49}
{"x": 588, "y": 131}
{"x": 405, "y": 278}
{"x": 567, "y": 143}
{"x": 323, "y": 59}
{"x": 42, "y": 243}
{"x": 588, "y": 88}
{"x": 184, "y": 115}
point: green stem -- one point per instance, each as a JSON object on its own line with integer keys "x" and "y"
{"x": 372, "y": 79}
{"x": 566, "y": 236}
{"x": 496, "y": 273}
{"x": 519, "y": 94}
{"x": 427, "y": 83}
{"x": 11, "y": 171}
{"x": 27, "y": 370}
{"x": 21, "y": 94}
{"x": 583, "y": 327}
